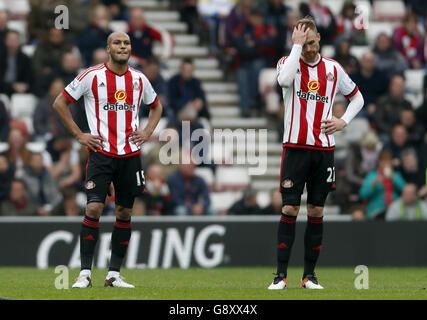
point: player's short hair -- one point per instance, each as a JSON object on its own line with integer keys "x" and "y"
{"x": 308, "y": 22}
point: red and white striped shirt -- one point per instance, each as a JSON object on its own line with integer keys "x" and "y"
{"x": 112, "y": 102}
{"x": 310, "y": 99}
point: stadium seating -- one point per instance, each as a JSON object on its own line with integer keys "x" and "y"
{"x": 232, "y": 178}
{"x": 22, "y": 106}
{"x": 36, "y": 147}
{"x": 118, "y": 26}
{"x": 207, "y": 175}
{"x": 375, "y": 28}
{"x": 388, "y": 10}
{"x": 222, "y": 201}
{"x": 414, "y": 83}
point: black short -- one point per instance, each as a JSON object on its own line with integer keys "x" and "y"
{"x": 301, "y": 166}
{"x": 125, "y": 173}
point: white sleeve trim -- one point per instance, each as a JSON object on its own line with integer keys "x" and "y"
{"x": 288, "y": 70}
{"x": 355, "y": 105}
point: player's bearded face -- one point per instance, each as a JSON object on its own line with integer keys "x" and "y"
{"x": 311, "y": 46}
{"x": 120, "y": 50}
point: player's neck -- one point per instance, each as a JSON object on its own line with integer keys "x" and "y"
{"x": 116, "y": 67}
{"x": 316, "y": 60}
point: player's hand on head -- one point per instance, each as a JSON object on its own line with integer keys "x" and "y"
{"x": 329, "y": 126}
{"x": 139, "y": 137}
{"x": 300, "y": 34}
{"x": 92, "y": 142}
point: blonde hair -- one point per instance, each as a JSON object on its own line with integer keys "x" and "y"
{"x": 308, "y": 22}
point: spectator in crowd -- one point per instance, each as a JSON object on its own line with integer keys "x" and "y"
{"x": 247, "y": 205}
{"x": 411, "y": 170}
{"x": 63, "y": 162}
{"x": 238, "y": 16}
{"x": 157, "y": 198}
{"x": 371, "y": 82}
{"x": 389, "y": 106}
{"x": 275, "y": 13}
{"x": 100, "y": 56}
{"x": 18, "y": 202}
{"x": 213, "y": 13}
{"x": 189, "y": 192}
{"x": 69, "y": 206}
{"x": 388, "y": 59}
{"x": 343, "y": 55}
{"x": 419, "y": 7}
{"x": 408, "y": 207}
{"x": 4, "y": 18}
{"x": 14, "y": 66}
{"x": 414, "y": 128}
{"x": 42, "y": 16}
{"x": 185, "y": 89}
{"x": 42, "y": 188}
{"x": 275, "y": 206}
{"x": 324, "y": 19}
{"x": 408, "y": 40}
{"x": 18, "y": 153}
{"x": 7, "y": 171}
{"x": 362, "y": 157}
{"x": 347, "y": 24}
{"x": 79, "y": 16}
{"x": 67, "y": 71}
{"x": 49, "y": 52}
{"x": 189, "y": 14}
{"x": 255, "y": 46}
{"x": 159, "y": 84}
{"x": 398, "y": 143}
{"x": 96, "y": 34}
{"x": 117, "y": 9}
{"x": 4, "y": 122}
{"x": 45, "y": 120}
{"x": 381, "y": 187}
{"x": 142, "y": 37}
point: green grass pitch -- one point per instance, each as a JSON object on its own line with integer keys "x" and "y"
{"x": 217, "y": 284}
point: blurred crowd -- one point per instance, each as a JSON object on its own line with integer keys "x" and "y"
{"x": 381, "y": 156}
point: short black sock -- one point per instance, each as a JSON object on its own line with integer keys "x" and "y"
{"x": 285, "y": 240}
{"x": 88, "y": 238}
{"x": 312, "y": 243}
{"x": 119, "y": 243}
